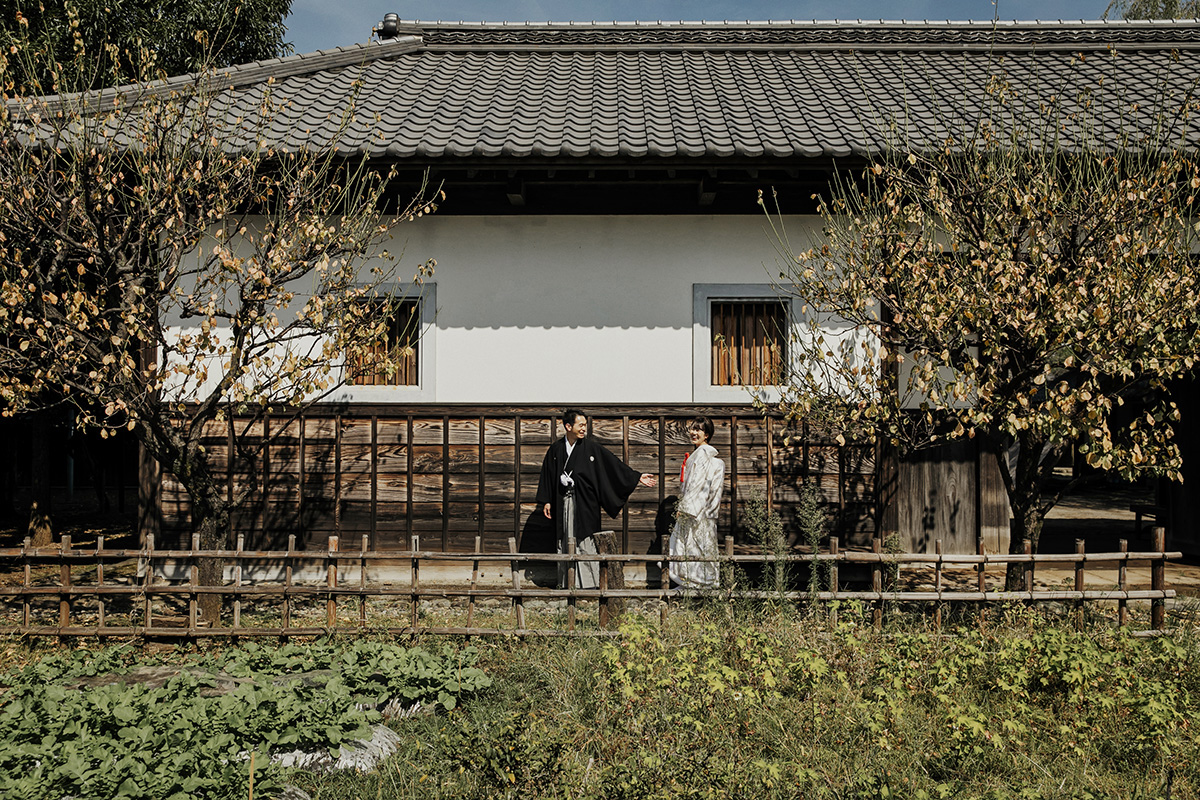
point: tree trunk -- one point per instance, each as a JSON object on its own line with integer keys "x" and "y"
{"x": 210, "y": 518}
{"x": 1025, "y": 499}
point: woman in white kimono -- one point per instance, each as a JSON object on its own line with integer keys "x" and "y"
{"x": 695, "y": 532}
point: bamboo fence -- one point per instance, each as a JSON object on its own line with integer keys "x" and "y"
{"x": 75, "y": 580}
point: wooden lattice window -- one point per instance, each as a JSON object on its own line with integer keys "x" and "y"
{"x": 392, "y": 361}
{"x": 749, "y": 342}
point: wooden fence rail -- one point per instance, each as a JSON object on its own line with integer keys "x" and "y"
{"x": 68, "y": 591}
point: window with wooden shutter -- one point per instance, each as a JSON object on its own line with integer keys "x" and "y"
{"x": 749, "y": 342}
{"x": 392, "y": 361}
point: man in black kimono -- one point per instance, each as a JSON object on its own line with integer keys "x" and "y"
{"x": 580, "y": 477}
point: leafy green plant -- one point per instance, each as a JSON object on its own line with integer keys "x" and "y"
{"x": 766, "y": 530}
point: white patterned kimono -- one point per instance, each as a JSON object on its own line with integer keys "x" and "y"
{"x": 695, "y": 532}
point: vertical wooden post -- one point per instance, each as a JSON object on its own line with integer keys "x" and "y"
{"x": 414, "y": 576}
{"x": 64, "y": 580}
{"x": 331, "y": 582}
{"x": 337, "y": 473}
{"x": 877, "y": 583}
{"x": 834, "y": 542}
{"x": 408, "y": 479}
{"x": 664, "y": 580}
{"x": 147, "y": 580}
{"x": 1028, "y": 550}
{"x": 518, "y": 601}
{"x": 193, "y": 583}
{"x": 237, "y": 581}
{"x": 604, "y": 594}
{"x": 1079, "y": 550}
{"x": 624, "y": 508}
{"x": 100, "y": 580}
{"x": 1123, "y": 586}
{"x": 729, "y": 555}
{"x": 981, "y": 578}
{"x": 733, "y": 475}
{"x": 516, "y": 480}
{"x": 374, "y": 482}
{"x": 287, "y": 580}
{"x": 445, "y": 483}
{"x": 1158, "y": 579}
{"x": 571, "y": 583}
{"x": 362, "y": 581}
{"x": 482, "y": 472}
{"x": 474, "y": 581}
{"x": 937, "y": 586}
{"x": 26, "y": 609}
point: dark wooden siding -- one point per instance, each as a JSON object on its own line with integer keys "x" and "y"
{"x": 451, "y": 473}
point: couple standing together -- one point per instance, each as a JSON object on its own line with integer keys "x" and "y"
{"x": 580, "y": 477}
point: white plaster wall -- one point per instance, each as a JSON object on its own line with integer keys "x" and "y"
{"x": 576, "y": 309}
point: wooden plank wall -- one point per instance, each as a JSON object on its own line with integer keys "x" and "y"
{"x": 451, "y": 473}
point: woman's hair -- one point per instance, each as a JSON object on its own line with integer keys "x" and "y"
{"x": 701, "y": 424}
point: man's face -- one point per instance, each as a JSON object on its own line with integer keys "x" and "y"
{"x": 578, "y": 429}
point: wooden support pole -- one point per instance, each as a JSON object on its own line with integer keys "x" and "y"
{"x": 147, "y": 580}
{"x": 1123, "y": 586}
{"x": 414, "y": 576}
{"x": 1158, "y": 579}
{"x": 287, "y": 580}
{"x": 100, "y": 580}
{"x": 193, "y": 582}
{"x": 362, "y": 581}
{"x": 64, "y": 580}
{"x": 237, "y": 581}
{"x": 516, "y": 584}
{"x": 571, "y": 584}
{"x": 331, "y": 581}
{"x": 604, "y": 596}
{"x": 1079, "y": 549}
{"x": 981, "y": 577}
{"x": 877, "y": 584}
{"x": 1028, "y": 550}
{"x": 474, "y": 581}
{"x": 26, "y": 610}
{"x": 664, "y": 580}
{"x": 834, "y": 543}
{"x": 937, "y": 587}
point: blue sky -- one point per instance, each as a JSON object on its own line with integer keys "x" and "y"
{"x": 317, "y": 24}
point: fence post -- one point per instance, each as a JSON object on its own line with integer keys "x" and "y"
{"x": 603, "y": 578}
{"x": 100, "y": 580}
{"x": 64, "y": 570}
{"x": 981, "y": 578}
{"x": 518, "y": 601}
{"x": 331, "y": 581}
{"x": 664, "y": 579}
{"x": 1158, "y": 579}
{"x": 474, "y": 580}
{"x": 287, "y": 581}
{"x": 877, "y": 583}
{"x": 237, "y": 581}
{"x": 1028, "y": 550}
{"x": 362, "y": 580}
{"x": 834, "y": 542}
{"x": 571, "y": 583}
{"x": 193, "y": 584}
{"x": 147, "y": 580}
{"x": 937, "y": 586}
{"x": 1123, "y": 586}
{"x": 26, "y": 609}
{"x": 1079, "y": 550}
{"x": 415, "y": 583}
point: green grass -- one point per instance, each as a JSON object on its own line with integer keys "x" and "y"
{"x": 729, "y": 701}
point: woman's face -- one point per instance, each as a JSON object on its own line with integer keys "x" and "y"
{"x": 697, "y": 436}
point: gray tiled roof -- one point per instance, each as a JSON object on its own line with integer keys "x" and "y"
{"x": 707, "y": 90}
